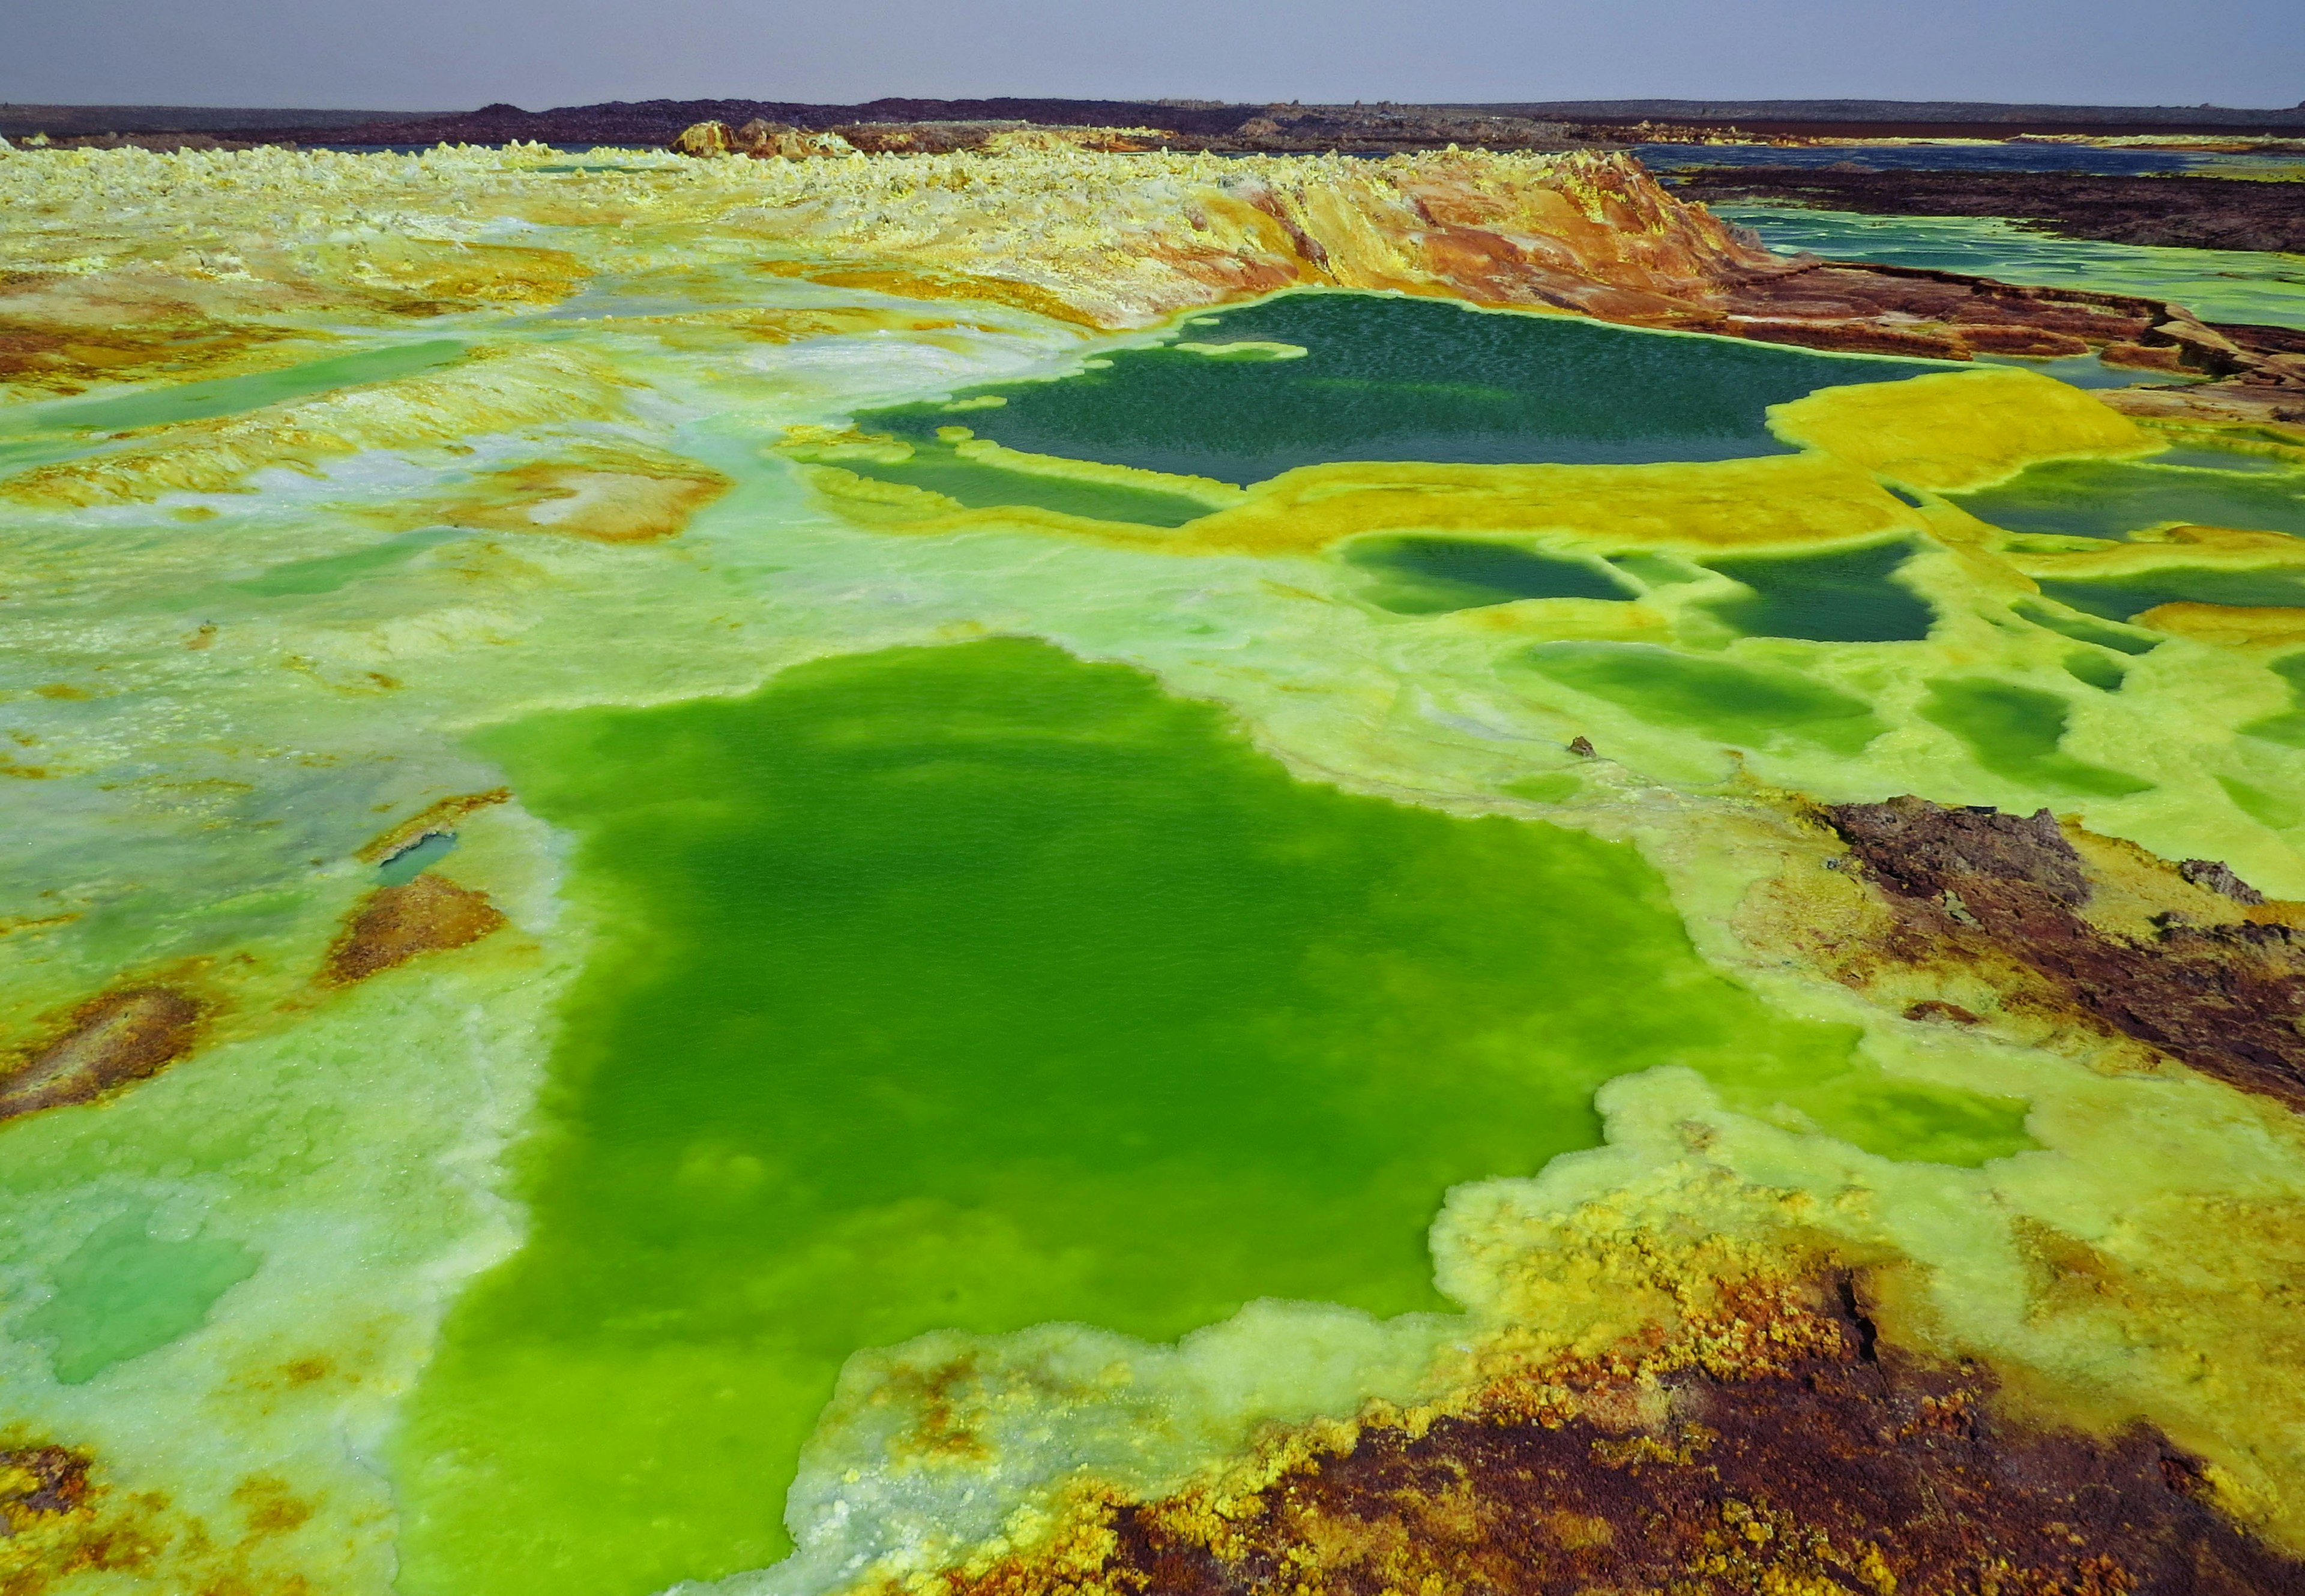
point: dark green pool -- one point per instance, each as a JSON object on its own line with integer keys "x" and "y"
{"x": 1394, "y": 379}
{"x": 2102, "y": 499}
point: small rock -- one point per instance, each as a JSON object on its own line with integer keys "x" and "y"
{"x": 2217, "y": 875}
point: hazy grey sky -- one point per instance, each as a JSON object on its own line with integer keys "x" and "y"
{"x": 457, "y": 53}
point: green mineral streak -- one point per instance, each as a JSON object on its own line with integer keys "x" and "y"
{"x": 1657, "y": 570}
{"x": 326, "y": 574}
{"x": 120, "y": 1293}
{"x": 2082, "y": 629}
{"x": 2118, "y": 598}
{"x": 2089, "y": 666}
{"x": 1422, "y": 576}
{"x": 228, "y": 395}
{"x": 2288, "y": 727}
{"x": 1554, "y": 786}
{"x": 1388, "y": 378}
{"x": 2268, "y": 809}
{"x": 1843, "y": 596}
{"x": 2096, "y": 498}
{"x": 977, "y": 988}
{"x": 980, "y": 486}
{"x": 1720, "y": 698}
{"x": 2014, "y": 731}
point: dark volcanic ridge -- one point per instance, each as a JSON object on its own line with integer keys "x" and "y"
{"x": 2201, "y": 213}
{"x": 1193, "y": 123}
{"x": 63, "y": 122}
{"x": 1943, "y": 119}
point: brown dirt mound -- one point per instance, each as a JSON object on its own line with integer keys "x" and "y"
{"x": 124, "y": 1036}
{"x": 395, "y": 924}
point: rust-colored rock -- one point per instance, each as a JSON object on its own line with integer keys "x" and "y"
{"x": 395, "y": 924}
{"x": 36, "y": 1481}
{"x": 122, "y": 1036}
{"x": 1978, "y": 888}
{"x": 1780, "y": 1447}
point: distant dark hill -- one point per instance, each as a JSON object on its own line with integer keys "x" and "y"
{"x": 2198, "y": 213}
{"x": 656, "y": 122}
{"x": 1377, "y": 125}
{"x": 1943, "y": 118}
{"x": 63, "y": 122}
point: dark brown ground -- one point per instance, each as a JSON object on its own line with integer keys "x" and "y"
{"x": 2226, "y": 997}
{"x": 1826, "y": 1462}
{"x": 395, "y": 924}
{"x": 122, "y": 1036}
{"x": 2200, "y": 213}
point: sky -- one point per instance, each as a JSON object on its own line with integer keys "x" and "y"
{"x": 447, "y": 55}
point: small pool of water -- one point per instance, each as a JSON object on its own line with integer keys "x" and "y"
{"x": 2112, "y": 500}
{"x": 1422, "y": 576}
{"x": 2089, "y": 371}
{"x": 2287, "y": 727}
{"x": 416, "y": 858}
{"x": 2120, "y": 599}
{"x": 1842, "y": 596}
{"x": 1390, "y": 379}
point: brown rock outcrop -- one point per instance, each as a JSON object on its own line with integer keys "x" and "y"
{"x": 1779, "y": 1444}
{"x": 2204, "y": 968}
{"x": 760, "y": 139}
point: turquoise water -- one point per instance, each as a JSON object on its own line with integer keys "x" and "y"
{"x": 415, "y": 858}
{"x": 2216, "y": 284}
{"x": 1395, "y": 378}
{"x": 124, "y": 1292}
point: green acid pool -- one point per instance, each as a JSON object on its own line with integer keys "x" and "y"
{"x": 981, "y": 986}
